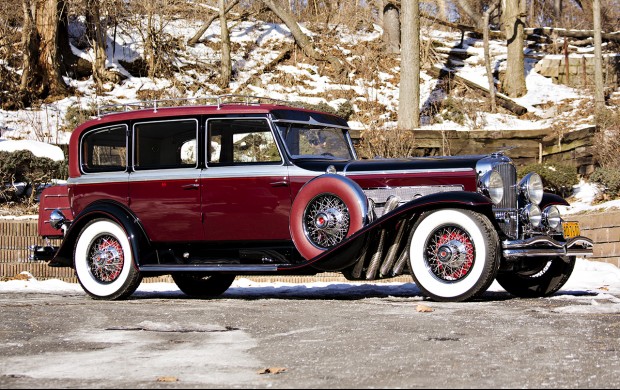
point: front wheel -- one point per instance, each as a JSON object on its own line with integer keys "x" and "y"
{"x": 104, "y": 262}
{"x": 543, "y": 281}
{"x": 453, "y": 254}
{"x": 203, "y": 286}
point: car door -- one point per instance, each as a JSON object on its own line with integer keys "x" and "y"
{"x": 246, "y": 194}
{"x": 164, "y": 185}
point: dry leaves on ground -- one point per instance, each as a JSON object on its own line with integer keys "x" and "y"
{"x": 272, "y": 370}
{"x": 423, "y": 309}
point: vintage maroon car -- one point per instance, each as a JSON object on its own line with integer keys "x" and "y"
{"x": 208, "y": 192}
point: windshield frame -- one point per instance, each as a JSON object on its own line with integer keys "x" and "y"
{"x": 284, "y": 126}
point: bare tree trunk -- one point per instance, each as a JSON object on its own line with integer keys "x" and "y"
{"x": 196, "y": 38}
{"x": 302, "y": 40}
{"x": 514, "y": 80}
{"x": 30, "y": 80}
{"x": 487, "y": 60}
{"x": 598, "y": 59}
{"x": 225, "y": 37}
{"x": 409, "y": 101}
{"x": 557, "y": 11}
{"x": 48, "y": 17}
{"x": 98, "y": 36}
{"x": 391, "y": 28}
{"x": 468, "y": 10}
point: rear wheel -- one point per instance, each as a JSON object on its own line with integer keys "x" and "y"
{"x": 453, "y": 254}
{"x": 203, "y": 286}
{"x": 104, "y": 262}
{"x": 542, "y": 281}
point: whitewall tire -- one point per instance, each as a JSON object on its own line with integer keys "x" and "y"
{"x": 104, "y": 262}
{"x": 453, "y": 254}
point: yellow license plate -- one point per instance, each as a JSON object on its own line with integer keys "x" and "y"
{"x": 571, "y": 229}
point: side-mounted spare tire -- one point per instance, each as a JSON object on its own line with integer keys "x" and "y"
{"x": 327, "y": 210}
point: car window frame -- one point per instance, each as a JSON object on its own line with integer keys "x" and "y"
{"x": 134, "y": 146}
{"x": 92, "y": 171}
{"x": 274, "y": 134}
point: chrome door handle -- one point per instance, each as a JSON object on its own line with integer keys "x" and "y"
{"x": 191, "y": 186}
{"x": 283, "y": 183}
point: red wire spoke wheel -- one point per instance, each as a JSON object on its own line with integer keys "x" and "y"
{"x": 326, "y": 211}
{"x": 453, "y": 254}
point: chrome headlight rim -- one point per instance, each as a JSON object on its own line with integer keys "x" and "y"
{"x": 551, "y": 217}
{"x": 531, "y": 187}
{"x": 492, "y": 185}
{"x": 532, "y": 215}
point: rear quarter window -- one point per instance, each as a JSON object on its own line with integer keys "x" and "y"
{"x": 104, "y": 150}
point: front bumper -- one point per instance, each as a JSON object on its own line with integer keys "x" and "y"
{"x": 546, "y": 246}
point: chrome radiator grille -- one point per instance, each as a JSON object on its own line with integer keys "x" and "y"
{"x": 380, "y": 195}
{"x": 506, "y": 212}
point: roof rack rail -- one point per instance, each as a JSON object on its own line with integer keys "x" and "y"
{"x": 155, "y": 104}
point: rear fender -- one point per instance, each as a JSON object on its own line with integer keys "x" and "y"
{"x": 333, "y": 259}
{"x": 116, "y": 212}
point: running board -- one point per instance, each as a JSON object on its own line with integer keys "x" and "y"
{"x": 228, "y": 268}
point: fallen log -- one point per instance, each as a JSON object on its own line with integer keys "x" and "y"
{"x": 580, "y": 34}
{"x": 502, "y": 100}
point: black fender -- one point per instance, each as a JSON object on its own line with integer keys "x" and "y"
{"x": 550, "y": 199}
{"x": 114, "y": 211}
{"x": 345, "y": 254}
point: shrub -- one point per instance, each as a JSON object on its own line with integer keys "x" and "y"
{"x": 607, "y": 140}
{"x": 32, "y": 172}
{"x": 387, "y": 143}
{"x": 76, "y": 115}
{"x": 608, "y": 178}
{"x": 558, "y": 179}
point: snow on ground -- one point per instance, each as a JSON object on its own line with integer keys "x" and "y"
{"x": 591, "y": 284}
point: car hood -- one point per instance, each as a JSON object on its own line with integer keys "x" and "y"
{"x": 387, "y": 165}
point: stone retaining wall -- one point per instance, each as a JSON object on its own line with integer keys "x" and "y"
{"x": 604, "y": 229}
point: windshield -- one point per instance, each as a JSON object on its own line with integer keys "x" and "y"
{"x": 308, "y": 141}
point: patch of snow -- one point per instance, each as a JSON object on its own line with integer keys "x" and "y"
{"x": 39, "y": 149}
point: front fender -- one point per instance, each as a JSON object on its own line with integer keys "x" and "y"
{"x": 550, "y": 199}
{"x": 347, "y": 252}
{"x": 109, "y": 210}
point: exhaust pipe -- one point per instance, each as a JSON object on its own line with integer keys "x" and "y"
{"x": 391, "y": 203}
{"x": 391, "y": 254}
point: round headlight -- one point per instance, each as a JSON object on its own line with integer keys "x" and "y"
{"x": 532, "y": 215}
{"x": 493, "y": 186}
{"x": 531, "y": 186}
{"x": 551, "y": 217}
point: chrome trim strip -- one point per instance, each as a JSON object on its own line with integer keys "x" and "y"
{"x": 233, "y": 268}
{"x": 165, "y": 174}
{"x": 99, "y": 178}
{"x": 403, "y": 172}
{"x": 254, "y": 170}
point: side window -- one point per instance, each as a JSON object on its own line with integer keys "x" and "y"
{"x": 241, "y": 141}
{"x": 165, "y": 145}
{"x": 104, "y": 150}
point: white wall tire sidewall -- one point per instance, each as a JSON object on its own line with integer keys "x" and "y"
{"x": 420, "y": 269}
{"x": 87, "y": 280}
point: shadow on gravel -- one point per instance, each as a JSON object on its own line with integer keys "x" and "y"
{"x": 344, "y": 291}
